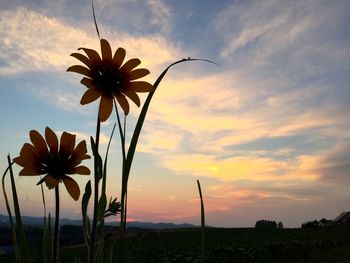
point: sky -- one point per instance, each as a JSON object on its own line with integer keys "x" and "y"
{"x": 267, "y": 132}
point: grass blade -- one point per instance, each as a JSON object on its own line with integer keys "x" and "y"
{"x": 43, "y": 198}
{"x": 93, "y": 13}
{"x": 84, "y": 206}
{"x": 22, "y": 242}
{"x": 143, "y": 113}
{"x": 140, "y": 121}
{"x": 102, "y": 206}
{"x": 13, "y": 230}
{"x": 202, "y": 223}
{"x": 47, "y": 240}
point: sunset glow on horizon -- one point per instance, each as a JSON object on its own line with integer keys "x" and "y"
{"x": 267, "y": 132}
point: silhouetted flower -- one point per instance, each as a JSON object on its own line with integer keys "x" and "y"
{"x": 53, "y": 159}
{"x": 109, "y": 78}
{"x": 114, "y": 208}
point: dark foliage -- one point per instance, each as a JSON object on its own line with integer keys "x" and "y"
{"x": 266, "y": 224}
{"x": 310, "y": 224}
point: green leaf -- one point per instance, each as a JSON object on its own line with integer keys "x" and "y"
{"x": 102, "y": 203}
{"x": 84, "y": 206}
{"x": 22, "y": 242}
{"x": 138, "y": 128}
{"x": 104, "y": 179}
{"x": 13, "y": 229}
{"x": 93, "y": 12}
{"x": 202, "y": 222}
{"x": 47, "y": 241}
{"x": 98, "y": 159}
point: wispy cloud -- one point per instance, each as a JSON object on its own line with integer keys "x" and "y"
{"x": 161, "y": 14}
{"x": 268, "y": 129}
{"x": 32, "y": 41}
{"x": 36, "y": 43}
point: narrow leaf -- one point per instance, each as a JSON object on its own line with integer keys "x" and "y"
{"x": 141, "y": 119}
{"x": 93, "y": 12}
{"x": 47, "y": 240}
{"x": 102, "y": 203}
{"x": 84, "y": 206}
{"x": 202, "y": 222}
{"x": 13, "y": 229}
{"x": 23, "y": 247}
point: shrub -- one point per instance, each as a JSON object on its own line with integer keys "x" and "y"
{"x": 266, "y": 224}
{"x": 310, "y": 224}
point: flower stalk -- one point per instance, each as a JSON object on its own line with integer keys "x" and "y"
{"x": 57, "y": 222}
{"x": 97, "y": 176}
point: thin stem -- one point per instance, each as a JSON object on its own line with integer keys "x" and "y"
{"x": 43, "y": 197}
{"x": 13, "y": 231}
{"x": 23, "y": 248}
{"x": 121, "y": 132}
{"x": 202, "y": 222}
{"x": 57, "y": 221}
{"x": 96, "y": 177}
{"x": 123, "y": 191}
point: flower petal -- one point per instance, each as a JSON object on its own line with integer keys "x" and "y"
{"x": 39, "y": 143}
{"x": 51, "y": 140}
{"x": 89, "y": 96}
{"x": 106, "y": 107}
{"x": 130, "y": 64}
{"x": 119, "y": 56}
{"x": 81, "y": 170}
{"x": 141, "y": 86}
{"x": 72, "y": 187}
{"x": 79, "y": 154}
{"x": 92, "y": 54}
{"x": 106, "y": 50}
{"x": 67, "y": 144}
{"x": 30, "y": 171}
{"x": 27, "y": 162}
{"x": 138, "y": 73}
{"x": 133, "y": 96}
{"x": 82, "y": 58}
{"x": 89, "y": 83}
{"x": 27, "y": 155}
{"x": 51, "y": 182}
{"x": 80, "y": 70}
{"x": 27, "y": 149}
{"x": 123, "y": 103}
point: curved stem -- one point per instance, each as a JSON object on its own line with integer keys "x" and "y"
{"x": 96, "y": 177}
{"x": 57, "y": 221}
{"x": 13, "y": 231}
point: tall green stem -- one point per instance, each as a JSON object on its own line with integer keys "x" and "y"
{"x": 57, "y": 221}
{"x": 96, "y": 178}
{"x": 13, "y": 230}
{"x": 23, "y": 248}
{"x": 202, "y": 222}
{"x": 123, "y": 191}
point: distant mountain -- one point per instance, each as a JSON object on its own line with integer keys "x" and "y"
{"x": 150, "y": 225}
{"x": 38, "y": 221}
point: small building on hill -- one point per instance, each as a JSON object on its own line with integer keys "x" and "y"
{"x": 343, "y": 219}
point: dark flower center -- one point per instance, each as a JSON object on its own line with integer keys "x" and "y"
{"x": 109, "y": 79}
{"x": 56, "y": 166}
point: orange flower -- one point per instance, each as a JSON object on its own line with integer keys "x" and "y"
{"x": 55, "y": 160}
{"x": 109, "y": 78}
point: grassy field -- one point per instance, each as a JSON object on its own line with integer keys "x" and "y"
{"x": 223, "y": 245}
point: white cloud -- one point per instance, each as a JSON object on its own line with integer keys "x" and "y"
{"x": 161, "y": 14}
{"x": 31, "y": 41}
{"x": 293, "y": 37}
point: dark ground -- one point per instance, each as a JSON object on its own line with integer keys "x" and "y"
{"x": 222, "y": 245}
